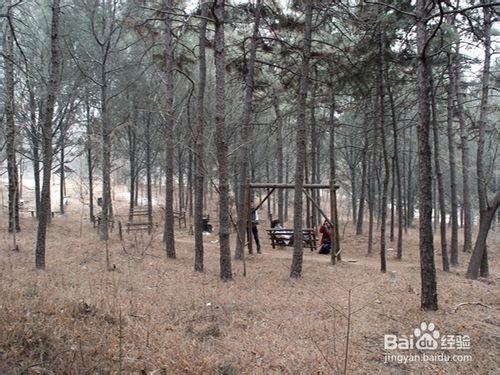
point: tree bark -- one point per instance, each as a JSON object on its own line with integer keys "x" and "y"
{"x": 132, "y": 148}
{"x": 371, "y": 201}
{"x": 106, "y": 155}
{"x": 393, "y": 188}
{"x": 427, "y": 268}
{"x": 352, "y": 170}
{"x": 296, "y": 267}
{"x": 477, "y": 262}
{"x": 168, "y": 235}
{"x": 397, "y": 170}
{"x": 189, "y": 203}
{"x": 221, "y": 141}
{"x": 439, "y": 180}
{"x": 62, "y": 175}
{"x": 385, "y": 184}
{"x": 149, "y": 192}
{"x": 453, "y": 168}
{"x": 180, "y": 178}
{"x": 11, "y": 130}
{"x": 279, "y": 154}
{"x": 35, "y": 143}
{"x": 410, "y": 198}
{"x": 199, "y": 172}
{"x": 246, "y": 131}
{"x": 464, "y": 145}
{"x": 362, "y": 196}
{"x": 313, "y": 154}
{"x": 479, "y": 258}
{"x": 90, "y": 166}
{"x": 54, "y": 78}
{"x": 333, "y": 176}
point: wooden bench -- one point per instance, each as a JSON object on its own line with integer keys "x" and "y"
{"x": 181, "y": 217}
{"x": 139, "y": 226}
{"x": 284, "y": 237}
{"x": 135, "y": 214}
{"x": 138, "y": 211}
{"x": 32, "y": 211}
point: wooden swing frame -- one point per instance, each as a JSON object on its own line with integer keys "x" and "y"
{"x": 271, "y": 187}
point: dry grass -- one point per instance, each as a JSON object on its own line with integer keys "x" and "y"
{"x": 153, "y": 315}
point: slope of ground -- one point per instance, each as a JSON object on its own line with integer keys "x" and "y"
{"x": 153, "y": 315}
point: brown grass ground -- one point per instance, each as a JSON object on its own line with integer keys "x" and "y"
{"x": 153, "y": 315}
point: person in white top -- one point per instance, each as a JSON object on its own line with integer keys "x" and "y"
{"x": 255, "y": 223}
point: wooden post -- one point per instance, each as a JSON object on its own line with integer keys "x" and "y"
{"x": 332, "y": 215}
{"x": 317, "y": 206}
{"x": 336, "y": 225}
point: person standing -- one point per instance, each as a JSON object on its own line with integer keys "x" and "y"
{"x": 255, "y": 224}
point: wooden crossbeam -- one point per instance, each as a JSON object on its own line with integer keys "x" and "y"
{"x": 262, "y": 185}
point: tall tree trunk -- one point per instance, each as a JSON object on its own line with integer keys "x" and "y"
{"x": 131, "y": 135}
{"x": 362, "y": 196}
{"x": 379, "y": 187}
{"x": 426, "y": 246}
{"x": 168, "y": 235}
{"x": 11, "y": 129}
{"x": 352, "y": 170}
{"x": 453, "y": 168}
{"x": 434, "y": 204}
{"x": 148, "y": 163}
{"x": 464, "y": 145}
{"x": 62, "y": 174}
{"x": 478, "y": 265}
{"x": 106, "y": 156}
{"x": 306, "y": 181}
{"x": 393, "y": 188}
{"x": 35, "y": 143}
{"x": 180, "y": 164}
{"x": 296, "y": 268}
{"x": 397, "y": 169}
{"x": 410, "y": 192}
{"x": 190, "y": 182}
{"x": 54, "y": 77}
{"x": 387, "y": 170}
{"x": 199, "y": 172}
{"x": 287, "y": 171}
{"x": 313, "y": 154}
{"x": 279, "y": 154}
{"x": 90, "y": 166}
{"x": 137, "y": 183}
{"x": 479, "y": 259}
{"x": 333, "y": 176}
{"x": 439, "y": 180}
{"x": 371, "y": 199}
{"x": 404, "y": 184}
{"x": 243, "y": 157}
{"x": 220, "y": 140}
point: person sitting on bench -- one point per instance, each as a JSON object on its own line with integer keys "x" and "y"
{"x": 326, "y": 238}
{"x": 282, "y": 239}
{"x": 207, "y": 227}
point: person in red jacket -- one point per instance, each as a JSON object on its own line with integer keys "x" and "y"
{"x": 326, "y": 237}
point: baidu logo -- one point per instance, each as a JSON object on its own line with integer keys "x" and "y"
{"x": 431, "y": 345}
{"x": 424, "y": 337}
{"x": 427, "y": 336}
